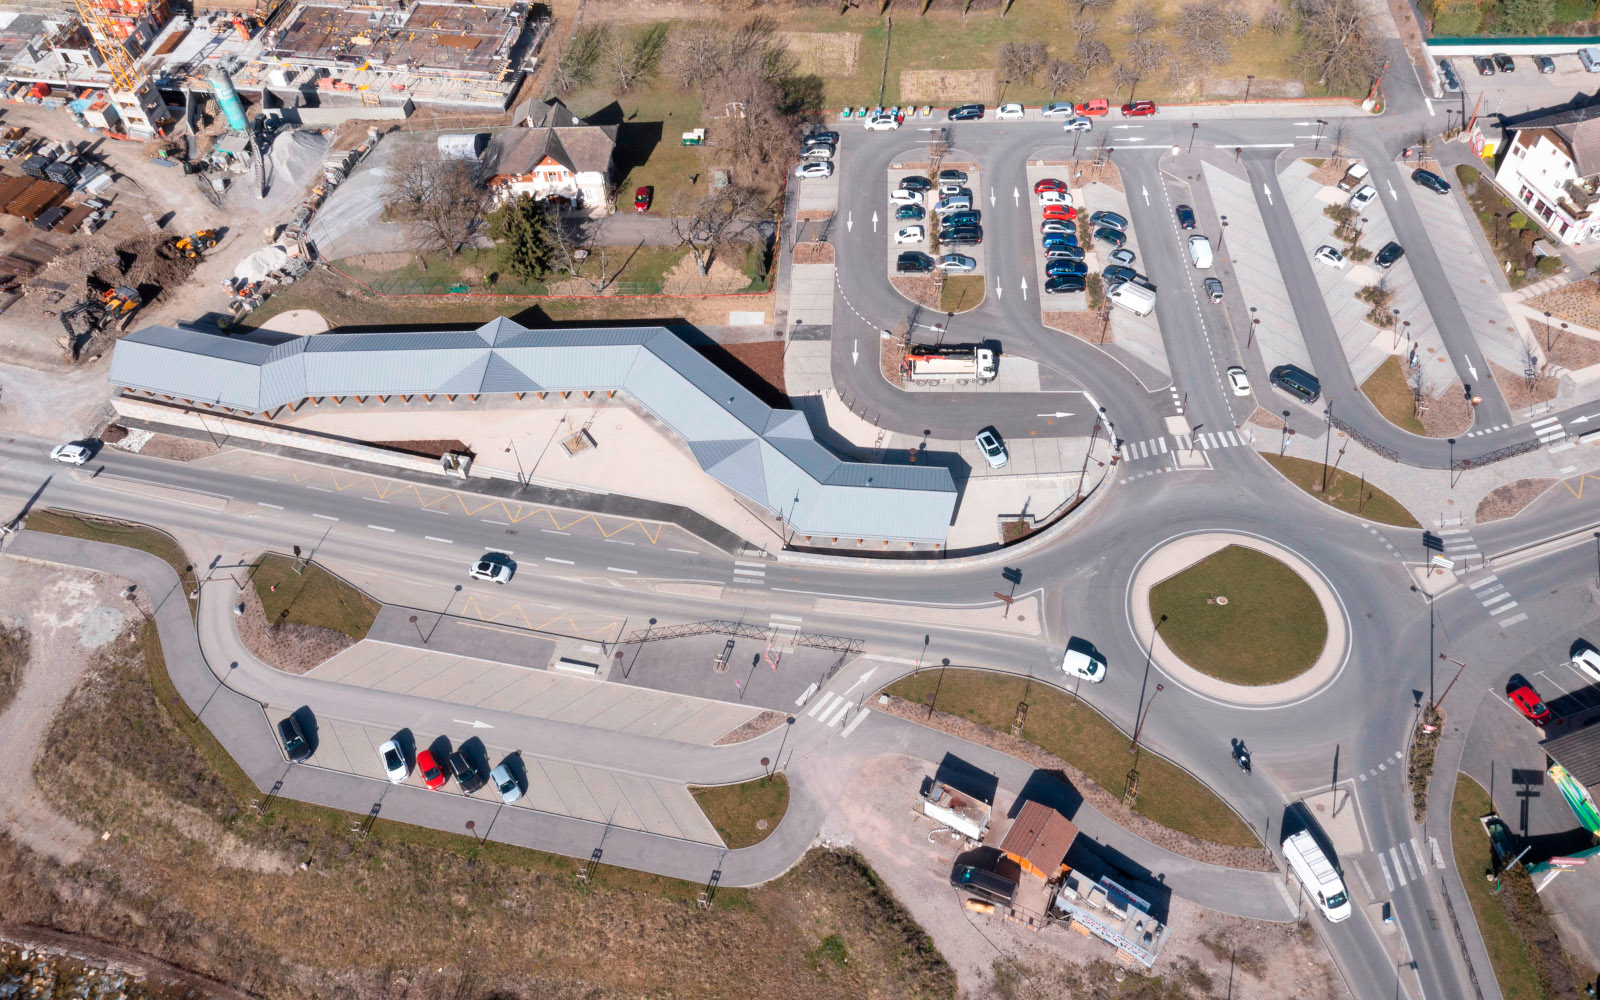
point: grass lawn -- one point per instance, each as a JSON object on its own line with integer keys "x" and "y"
{"x": 632, "y": 269}
{"x": 1270, "y": 629}
{"x": 1513, "y": 967}
{"x": 745, "y": 814}
{"x": 135, "y": 536}
{"x": 312, "y": 596}
{"x": 1070, "y": 729}
{"x": 961, "y": 292}
{"x": 1388, "y": 391}
{"x": 651, "y": 120}
{"x": 1345, "y": 491}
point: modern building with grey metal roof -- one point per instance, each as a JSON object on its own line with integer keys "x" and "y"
{"x": 767, "y": 456}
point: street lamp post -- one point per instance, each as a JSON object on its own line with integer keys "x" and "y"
{"x": 413, "y": 621}
{"x": 1249, "y": 78}
{"x": 1320, "y": 126}
{"x": 1447, "y": 687}
{"x": 1134, "y": 746}
{"x": 1327, "y": 444}
{"x": 1193, "y": 128}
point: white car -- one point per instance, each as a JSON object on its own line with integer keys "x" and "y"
{"x": 910, "y": 234}
{"x": 993, "y": 451}
{"x": 1078, "y": 125}
{"x": 1238, "y": 380}
{"x": 395, "y": 767}
{"x": 815, "y": 168}
{"x": 881, "y": 123}
{"x": 900, "y": 196}
{"x": 1061, "y": 109}
{"x": 1008, "y": 112}
{"x": 72, "y": 454}
{"x": 957, "y": 203}
{"x": 1587, "y": 660}
{"x": 1055, "y": 198}
{"x": 506, "y": 784}
{"x": 952, "y": 190}
{"x": 818, "y": 152}
{"x": 1082, "y": 661}
{"x": 494, "y": 567}
{"x": 1329, "y": 256}
{"x": 1362, "y": 198}
{"x": 955, "y": 262}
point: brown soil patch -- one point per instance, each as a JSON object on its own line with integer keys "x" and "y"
{"x": 1262, "y": 87}
{"x": 947, "y": 86}
{"x": 1577, "y": 303}
{"x": 922, "y": 289}
{"x": 382, "y": 262}
{"x": 757, "y": 365}
{"x": 1265, "y": 418}
{"x": 1449, "y": 414}
{"x": 1519, "y": 393}
{"x": 1084, "y": 325}
{"x": 891, "y": 356}
{"x": 429, "y": 449}
{"x": 1571, "y": 351}
{"x": 1329, "y": 172}
{"x": 1086, "y": 172}
{"x": 1253, "y": 859}
{"x": 1504, "y": 501}
{"x": 813, "y": 215}
{"x": 721, "y": 277}
{"x": 824, "y": 53}
{"x": 294, "y": 649}
{"x": 813, "y": 253}
{"x": 172, "y": 447}
{"x": 763, "y": 723}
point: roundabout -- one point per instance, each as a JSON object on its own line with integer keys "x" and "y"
{"x": 1183, "y": 581}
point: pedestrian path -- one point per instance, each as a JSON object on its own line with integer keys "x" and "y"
{"x": 1489, "y": 590}
{"x": 1373, "y": 772}
{"x": 830, "y": 709}
{"x": 748, "y": 574}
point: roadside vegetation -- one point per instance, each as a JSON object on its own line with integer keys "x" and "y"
{"x": 295, "y": 594}
{"x": 1349, "y": 493}
{"x": 13, "y": 660}
{"x": 745, "y": 814}
{"x": 1394, "y": 398}
{"x": 1510, "y": 232}
{"x": 961, "y": 292}
{"x": 1454, "y": 18}
{"x": 134, "y": 536}
{"x": 1063, "y": 725}
{"x": 1240, "y": 616}
{"x": 188, "y": 860}
{"x": 1424, "y": 745}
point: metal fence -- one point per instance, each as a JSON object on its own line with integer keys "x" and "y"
{"x": 746, "y": 630}
{"x": 389, "y": 284}
{"x": 1366, "y": 442}
{"x": 1498, "y": 455}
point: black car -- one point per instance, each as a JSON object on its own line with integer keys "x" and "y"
{"x": 1118, "y": 272}
{"x": 1114, "y": 237}
{"x": 1485, "y": 65}
{"x": 830, "y": 138}
{"x": 961, "y": 238}
{"x": 1503, "y": 63}
{"x": 1390, "y": 253}
{"x": 1544, "y": 64}
{"x": 467, "y": 776}
{"x": 1447, "y": 73}
{"x": 984, "y": 883}
{"x": 966, "y": 218}
{"x": 915, "y": 183}
{"x": 295, "y": 745}
{"x": 1297, "y": 382}
{"x": 952, "y": 177}
{"x": 1063, "y": 283}
{"x": 1185, "y": 217}
{"x": 1055, "y": 267}
{"x": 1111, "y": 219}
{"x": 965, "y": 113}
{"x": 1432, "y": 181}
{"x": 912, "y": 262}
{"x": 1064, "y": 253}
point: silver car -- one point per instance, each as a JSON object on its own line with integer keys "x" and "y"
{"x": 506, "y": 784}
{"x": 993, "y": 451}
{"x": 951, "y": 262}
{"x": 1061, "y": 109}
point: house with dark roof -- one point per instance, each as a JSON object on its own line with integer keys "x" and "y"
{"x": 1552, "y": 167}
{"x": 551, "y": 153}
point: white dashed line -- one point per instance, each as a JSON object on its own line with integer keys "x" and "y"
{"x": 272, "y": 505}
{"x": 446, "y": 541}
{"x": 616, "y": 541}
{"x": 490, "y": 521}
{"x": 325, "y": 517}
{"x": 564, "y": 562}
{"x": 619, "y": 569}
{"x": 374, "y": 500}
{"x": 319, "y": 489}
{"x": 265, "y": 479}
{"x": 379, "y": 527}
{"x": 686, "y": 552}
{"x": 552, "y": 531}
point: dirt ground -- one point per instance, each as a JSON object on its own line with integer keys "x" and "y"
{"x": 813, "y": 253}
{"x": 1570, "y": 350}
{"x": 168, "y": 446}
{"x": 1449, "y": 413}
{"x": 1331, "y": 169}
{"x": 1577, "y": 303}
{"x": 821, "y": 52}
{"x": 294, "y": 649}
{"x": 1084, "y": 325}
{"x": 1219, "y": 955}
{"x": 766, "y": 722}
{"x": 1519, "y": 393}
{"x": 922, "y": 289}
{"x": 947, "y": 86}
{"x": 1504, "y": 501}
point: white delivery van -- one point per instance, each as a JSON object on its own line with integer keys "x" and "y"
{"x": 1317, "y": 874}
{"x": 1590, "y": 57}
{"x": 1137, "y": 299}
{"x": 1200, "y": 252}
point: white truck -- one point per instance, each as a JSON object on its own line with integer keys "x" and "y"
{"x": 1318, "y": 875}
{"x": 928, "y": 365}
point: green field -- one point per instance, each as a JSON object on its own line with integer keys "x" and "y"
{"x": 1346, "y": 492}
{"x": 961, "y": 292}
{"x": 1270, "y": 629}
{"x": 1389, "y": 392}
{"x": 745, "y": 814}
{"x": 309, "y": 595}
{"x": 1070, "y": 729}
{"x": 1512, "y": 966}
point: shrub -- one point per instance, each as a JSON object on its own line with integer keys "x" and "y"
{"x": 1517, "y": 221}
{"x": 1570, "y": 11}
{"x": 1548, "y": 265}
{"x": 1457, "y": 21}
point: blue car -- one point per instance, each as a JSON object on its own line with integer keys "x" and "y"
{"x": 1055, "y": 241}
{"x": 1118, "y": 272}
{"x": 966, "y": 218}
{"x": 1059, "y": 267}
{"x": 913, "y": 212}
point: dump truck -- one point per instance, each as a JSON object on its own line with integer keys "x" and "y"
{"x": 925, "y": 364}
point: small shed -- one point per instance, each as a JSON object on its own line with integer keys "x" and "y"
{"x": 462, "y": 147}
{"x": 1038, "y": 840}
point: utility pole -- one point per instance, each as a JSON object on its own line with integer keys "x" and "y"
{"x": 1193, "y": 128}
{"x": 1447, "y": 687}
{"x": 1327, "y": 444}
{"x": 1134, "y": 746}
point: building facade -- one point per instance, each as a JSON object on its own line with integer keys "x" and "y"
{"x": 1551, "y": 167}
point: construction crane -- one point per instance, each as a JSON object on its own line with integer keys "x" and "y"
{"x": 103, "y": 27}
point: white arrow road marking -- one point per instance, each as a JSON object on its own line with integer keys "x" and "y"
{"x": 1586, "y": 416}
{"x": 1136, "y": 138}
{"x": 1268, "y": 192}
{"x": 1146, "y": 192}
{"x": 1473, "y": 370}
{"x": 999, "y": 292}
{"x": 1127, "y": 126}
{"x": 1057, "y": 415}
{"x": 1390, "y": 185}
{"x": 855, "y": 352}
{"x": 1024, "y": 289}
{"x": 1303, "y": 123}
{"x": 1016, "y": 197}
{"x": 474, "y": 723}
{"x": 991, "y": 197}
{"x": 849, "y": 222}
{"x": 1429, "y": 102}
{"x": 874, "y": 221}
{"x": 861, "y": 680}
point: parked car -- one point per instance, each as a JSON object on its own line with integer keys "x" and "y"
{"x": 1185, "y": 217}
{"x": 1587, "y": 659}
{"x": 965, "y": 113}
{"x": 1055, "y": 241}
{"x": 1389, "y": 255}
{"x": 952, "y": 177}
{"x": 1200, "y": 251}
{"x": 1062, "y": 284}
{"x": 641, "y": 199}
{"x": 1447, "y": 75}
{"x": 955, "y": 263}
{"x": 1485, "y": 65}
{"x": 295, "y": 745}
{"x": 1065, "y": 267}
{"x": 827, "y": 136}
{"x": 961, "y": 237}
{"x": 911, "y": 213}
{"x": 1112, "y": 219}
{"x": 1094, "y": 108}
{"x": 1083, "y": 661}
{"x": 1110, "y": 237}
{"x": 1297, "y": 382}
{"x": 911, "y": 234}
{"x": 904, "y": 196}
{"x": 395, "y": 767}
{"x": 1118, "y": 272}
{"x": 1329, "y": 256}
{"x": 1122, "y": 256}
{"x": 881, "y": 123}
{"x": 913, "y": 262}
{"x": 1238, "y": 381}
{"x": 506, "y": 784}
{"x": 1213, "y": 287}
{"x": 1430, "y": 180}
{"x": 1060, "y": 109}
{"x": 1364, "y": 196}
{"x": 955, "y": 203}
{"x": 994, "y": 452}
{"x": 1063, "y": 213}
{"x": 1544, "y": 64}
{"x": 432, "y": 774}
{"x": 1008, "y": 113}
{"x": 495, "y": 567}
{"x": 1049, "y": 184}
{"x": 70, "y": 454}
{"x": 811, "y": 154}
{"x": 915, "y": 183}
{"x": 815, "y": 168}
{"x": 965, "y": 218}
{"x": 954, "y": 191}
{"x": 1139, "y": 109}
{"x": 1503, "y": 63}
{"x": 1055, "y": 197}
{"x": 1078, "y": 125}
{"x": 1057, "y": 226}
{"x": 467, "y": 777}
{"x": 1064, "y": 253}
{"x": 1527, "y": 700}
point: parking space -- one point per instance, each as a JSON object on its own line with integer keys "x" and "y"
{"x": 1038, "y": 171}
{"x": 931, "y": 219}
{"x": 1523, "y": 89}
{"x": 1565, "y": 688}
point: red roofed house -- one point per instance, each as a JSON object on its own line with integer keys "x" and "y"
{"x": 1038, "y": 839}
{"x": 557, "y": 155}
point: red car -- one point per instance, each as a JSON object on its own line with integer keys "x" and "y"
{"x": 1062, "y": 213}
{"x": 641, "y": 200}
{"x": 432, "y": 774}
{"x": 1527, "y": 700}
{"x": 1094, "y": 108}
{"x": 1139, "y": 109}
{"x": 1049, "y": 184}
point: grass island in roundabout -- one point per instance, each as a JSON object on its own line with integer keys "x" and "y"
{"x": 1237, "y": 617}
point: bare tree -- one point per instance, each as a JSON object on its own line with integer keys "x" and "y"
{"x": 1123, "y": 75}
{"x": 1339, "y": 41}
{"x": 1532, "y": 364}
{"x": 1090, "y": 54}
{"x": 721, "y": 221}
{"x": 578, "y": 247}
{"x": 1421, "y": 385}
{"x": 577, "y": 63}
{"x": 1083, "y": 24}
{"x": 1020, "y": 62}
{"x": 1147, "y": 55}
{"x": 439, "y": 201}
{"x": 1140, "y": 19}
{"x": 1206, "y": 29}
{"x": 1087, "y": 5}
{"x": 633, "y": 58}
{"x": 760, "y": 139}
{"x": 1059, "y": 73}
{"x": 695, "y": 52}
{"x": 1274, "y": 20}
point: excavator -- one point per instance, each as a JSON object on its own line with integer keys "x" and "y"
{"x": 192, "y": 245}
{"x": 113, "y": 308}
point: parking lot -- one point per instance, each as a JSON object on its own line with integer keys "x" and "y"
{"x": 958, "y": 182}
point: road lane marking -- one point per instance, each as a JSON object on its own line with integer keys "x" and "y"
{"x": 1399, "y": 874}
{"x": 1504, "y": 622}
{"x": 564, "y": 562}
{"x": 1405, "y": 854}
{"x": 274, "y": 506}
{"x": 552, "y": 531}
{"x": 1505, "y": 607}
{"x": 739, "y": 562}
{"x": 435, "y": 510}
{"x": 619, "y": 569}
{"x": 1478, "y": 583}
{"x": 786, "y": 618}
{"x": 374, "y": 500}
{"x": 861, "y": 715}
{"x": 807, "y": 693}
{"x": 832, "y": 717}
{"x": 687, "y": 552}
{"x": 319, "y": 489}
{"x": 265, "y": 479}
{"x": 826, "y": 699}
{"x": 1502, "y": 596}
{"x": 1388, "y": 882}
{"x": 492, "y": 521}
{"x": 748, "y": 572}
{"x": 379, "y": 527}
{"x": 326, "y": 517}
{"x": 433, "y": 539}
{"x": 616, "y": 541}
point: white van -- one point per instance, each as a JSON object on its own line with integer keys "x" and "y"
{"x": 1200, "y": 252}
{"x": 1137, "y": 299}
{"x": 1317, "y": 874}
{"x": 1590, "y": 57}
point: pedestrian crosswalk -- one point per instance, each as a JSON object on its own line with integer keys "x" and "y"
{"x": 830, "y": 709}
{"x": 1158, "y": 446}
{"x": 1405, "y": 862}
{"x": 749, "y": 574}
{"x": 1549, "y": 431}
{"x": 1489, "y": 589}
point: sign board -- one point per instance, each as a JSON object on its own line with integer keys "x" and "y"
{"x": 1441, "y": 562}
{"x": 1475, "y": 139}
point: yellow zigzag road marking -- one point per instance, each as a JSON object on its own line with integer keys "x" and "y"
{"x": 592, "y": 631}
{"x": 1578, "y": 493}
